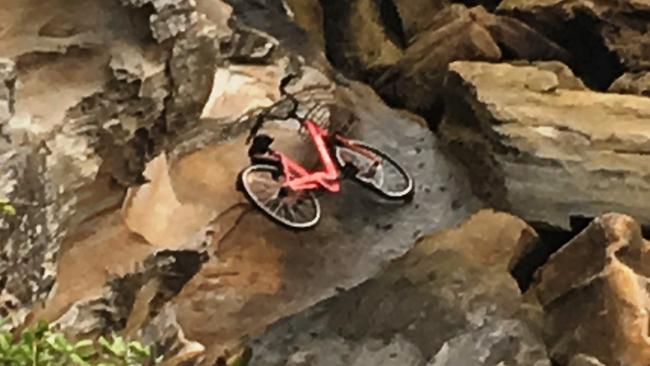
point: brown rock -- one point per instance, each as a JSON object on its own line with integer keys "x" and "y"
{"x": 565, "y": 77}
{"x": 458, "y": 33}
{"x": 632, "y": 83}
{"x": 595, "y": 295}
{"x": 308, "y": 14}
{"x": 417, "y": 15}
{"x": 517, "y": 129}
{"x": 356, "y": 37}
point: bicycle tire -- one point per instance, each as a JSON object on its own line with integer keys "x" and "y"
{"x": 404, "y": 194}
{"x": 244, "y": 185}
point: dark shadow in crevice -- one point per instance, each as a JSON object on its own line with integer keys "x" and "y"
{"x": 390, "y": 18}
{"x": 590, "y": 60}
{"x": 550, "y": 241}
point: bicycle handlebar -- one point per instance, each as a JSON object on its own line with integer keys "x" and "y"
{"x": 261, "y": 118}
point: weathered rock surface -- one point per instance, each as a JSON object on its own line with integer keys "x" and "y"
{"x": 449, "y": 301}
{"x": 417, "y": 15}
{"x": 458, "y": 33}
{"x": 120, "y": 97}
{"x": 308, "y": 14}
{"x": 543, "y": 151}
{"x": 132, "y": 124}
{"x": 595, "y": 295}
{"x": 605, "y": 38}
{"x": 632, "y": 83}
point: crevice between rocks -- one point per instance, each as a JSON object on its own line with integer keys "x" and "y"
{"x": 550, "y": 240}
{"x": 590, "y": 60}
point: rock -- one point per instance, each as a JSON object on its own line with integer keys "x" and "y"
{"x": 605, "y": 39}
{"x": 308, "y": 14}
{"x": 122, "y": 101}
{"x": 516, "y": 129}
{"x": 492, "y": 345}
{"x": 7, "y": 91}
{"x": 594, "y": 293}
{"x": 632, "y": 83}
{"x": 169, "y": 340}
{"x": 449, "y": 300}
{"x": 457, "y": 33}
{"x": 565, "y": 77}
{"x": 584, "y": 360}
{"x": 160, "y": 277}
{"x": 170, "y": 18}
{"x": 356, "y": 37}
{"x": 417, "y": 15}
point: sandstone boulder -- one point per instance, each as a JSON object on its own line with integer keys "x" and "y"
{"x": 595, "y": 296}
{"x": 543, "y": 151}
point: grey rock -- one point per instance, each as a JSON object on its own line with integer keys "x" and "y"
{"x": 449, "y": 300}
{"x": 57, "y": 177}
{"x": 506, "y": 342}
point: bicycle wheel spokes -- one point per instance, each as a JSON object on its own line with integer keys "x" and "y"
{"x": 264, "y": 187}
{"x": 387, "y": 178}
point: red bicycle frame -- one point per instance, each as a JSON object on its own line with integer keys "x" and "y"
{"x": 298, "y": 178}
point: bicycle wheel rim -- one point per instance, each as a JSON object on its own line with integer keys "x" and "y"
{"x": 295, "y": 212}
{"x": 391, "y": 180}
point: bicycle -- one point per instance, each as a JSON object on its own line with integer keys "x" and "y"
{"x": 284, "y": 190}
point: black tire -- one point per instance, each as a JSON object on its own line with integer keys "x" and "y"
{"x": 350, "y": 160}
{"x": 285, "y": 211}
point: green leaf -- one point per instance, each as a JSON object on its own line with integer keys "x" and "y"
{"x": 118, "y": 348}
{"x": 85, "y": 348}
{"x": 139, "y": 349}
{"x": 8, "y": 209}
{"x": 5, "y": 342}
{"x": 78, "y": 360}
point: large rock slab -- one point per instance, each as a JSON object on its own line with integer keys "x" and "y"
{"x": 546, "y": 151}
{"x": 449, "y": 301}
{"x": 595, "y": 294}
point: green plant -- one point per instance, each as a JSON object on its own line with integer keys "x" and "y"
{"x": 40, "y": 345}
{"x": 7, "y": 209}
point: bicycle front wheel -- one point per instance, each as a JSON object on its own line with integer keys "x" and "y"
{"x": 263, "y": 187}
{"x": 389, "y": 179}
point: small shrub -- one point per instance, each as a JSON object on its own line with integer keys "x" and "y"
{"x": 42, "y": 346}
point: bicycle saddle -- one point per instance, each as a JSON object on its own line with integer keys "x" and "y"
{"x": 260, "y": 145}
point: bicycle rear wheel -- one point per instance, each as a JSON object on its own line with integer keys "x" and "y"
{"x": 263, "y": 187}
{"x": 389, "y": 179}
